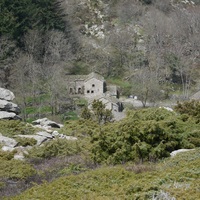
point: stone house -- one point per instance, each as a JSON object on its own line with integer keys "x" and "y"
{"x": 89, "y": 86}
{"x": 93, "y": 86}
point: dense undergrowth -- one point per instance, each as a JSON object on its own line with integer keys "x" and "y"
{"x": 10, "y": 128}
{"x": 115, "y": 160}
{"x": 175, "y": 177}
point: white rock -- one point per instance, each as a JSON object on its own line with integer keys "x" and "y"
{"x": 173, "y": 153}
{"x": 55, "y": 133}
{"x": 46, "y": 122}
{"x": 44, "y": 134}
{"x": 70, "y": 138}
{"x": 19, "y": 156}
{"x": 6, "y": 94}
{"x": 9, "y": 106}
{"x": 8, "y": 141}
{"x": 7, "y": 148}
{"x": 7, "y": 115}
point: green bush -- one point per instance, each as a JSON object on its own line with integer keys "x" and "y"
{"x": 147, "y": 134}
{"x": 26, "y": 141}
{"x": 15, "y": 169}
{"x": 177, "y": 177}
{"x": 53, "y": 148}
{"x": 7, "y": 155}
{"x": 189, "y": 109}
{"x": 11, "y": 128}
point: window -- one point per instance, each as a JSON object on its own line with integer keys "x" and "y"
{"x": 71, "y": 90}
{"x": 93, "y": 85}
{"x": 79, "y": 91}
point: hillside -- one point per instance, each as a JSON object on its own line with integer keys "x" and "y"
{"x": 173, "y": 178}
{"x": 58, "y": 148}
{"x": 127, "y": 159}
{"x": 149, "y": 47}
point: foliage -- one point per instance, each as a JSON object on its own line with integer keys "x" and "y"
{"x": 26, "y": 141}
{"x": 14, "y": 169}
{"x": 98, "y": 112}
{"x": 57, "y": 147}
{"x": 71, "y": 115}
{"x": 124, "y": 86}
{"x": 177, "y": 177}
{"x": 7, "y": 155}
{"x": 80, "y": 128}
{"x": 11, "y": 128}
{"x": 19, "y": 16}
{"x": 147, "y": 134}
{"x": 189, "y": 109}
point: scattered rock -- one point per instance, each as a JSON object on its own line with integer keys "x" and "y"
{"x": 19, "y": 156}
{"x": 55, "y": 133}
{"x": 70, "y": 138}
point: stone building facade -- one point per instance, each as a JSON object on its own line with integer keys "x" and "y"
{"x": 93, "y": 86}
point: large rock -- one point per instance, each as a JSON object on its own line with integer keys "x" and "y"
{"x": 9, "y": 106}
{"x": 6, "y": 94}
{"x": 44, "y": 134}
{"x": 173, "y": 153}
{"x": 8, "y": 115}
{"x": 6, "y": 141}
{"x": 46, "y": 123}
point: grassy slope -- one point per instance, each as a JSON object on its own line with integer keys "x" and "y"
{"x": 178, "y": 176}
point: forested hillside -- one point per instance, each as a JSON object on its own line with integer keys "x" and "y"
{"x": 151, "y": 45}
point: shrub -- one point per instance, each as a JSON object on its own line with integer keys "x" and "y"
{"x": 14, "y": 169}
{"x": 7, "y": 155}
{"x": 147, "y": 134}
{"x": 57, "y": 147}
{"x": 26, "y": 141}
{"x": 11, "y": 128}
{"x": 189, "y": 108}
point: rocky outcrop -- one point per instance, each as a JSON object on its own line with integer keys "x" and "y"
{"x": 46, "y": 123}
{"x": 6, "y": 141}
{"x": 8, "y": 110}
{"x": 6, "y": 94}
{"x": 47, "y": 133}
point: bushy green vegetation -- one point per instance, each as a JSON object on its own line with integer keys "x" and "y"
{"x": 147, "y": 134}
{"x": 177, "y": 177}
{"x": 26, "y": 141}
{"x": 18, "y": 16}
{"x": 81, "y": 128}
{"x": 125, "y": 86}
{"x": 10, "y": 128}
{"x": 57, "y": 147}
{"x": 189, "y": 109}
{"x": 98, "y": 112}
{"x": 14, "y": 169}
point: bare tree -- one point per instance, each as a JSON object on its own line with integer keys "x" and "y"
{"x": 146, "y": 87}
